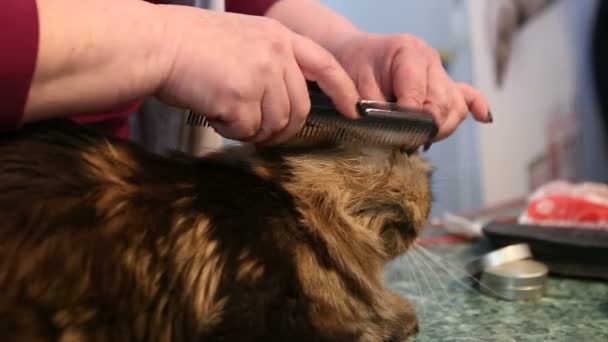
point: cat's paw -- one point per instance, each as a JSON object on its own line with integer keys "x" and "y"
{"x": 405, "y": 325}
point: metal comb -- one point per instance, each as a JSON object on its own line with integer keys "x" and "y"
{"x": 380, "y": 123}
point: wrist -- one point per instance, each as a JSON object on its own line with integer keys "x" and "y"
{"x": 163, "y": 46}
{"x": 108, "y": 54}
{"x": 338, "y": 44}
{"x": 312, "y": 19}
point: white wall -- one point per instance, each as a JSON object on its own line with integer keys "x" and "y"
{"x": 545, "y": 77}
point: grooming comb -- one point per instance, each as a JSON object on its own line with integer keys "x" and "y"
{"x": 380, "y": 123}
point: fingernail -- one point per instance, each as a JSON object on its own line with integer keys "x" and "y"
{"x": 358, "y": 110}
{"x": 490, "y": 117}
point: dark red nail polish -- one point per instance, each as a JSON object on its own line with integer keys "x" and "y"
{"x": 490, "y": 117}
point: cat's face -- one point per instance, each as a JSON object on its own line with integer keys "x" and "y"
{"x": 382, "y": 190}
{"x": 391, "y": 195}
{"x": 396, "y": 200}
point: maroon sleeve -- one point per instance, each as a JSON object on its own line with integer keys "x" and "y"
{"x": 252, "y": 7}
{"x": 19, "y": 46}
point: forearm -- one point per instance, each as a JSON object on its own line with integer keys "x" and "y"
{"x": 94, "y": 54}
{"x": 312, "y": 19}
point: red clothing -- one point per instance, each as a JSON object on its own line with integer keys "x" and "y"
{"x": 19, "y": 35}
{"x": 19, "y": 46}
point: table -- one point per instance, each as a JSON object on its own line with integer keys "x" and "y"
{"x": 450, "y": 308}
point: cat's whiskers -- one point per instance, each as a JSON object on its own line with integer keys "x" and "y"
{"x": 417, "y": 282}
{"x": 417, "y": 270}
{"x": 451, "y": 270}
{"x": 445, "y": 265}
{"x": 425, "y": 278}
{"x": 415, "y": 260}
{"x": 438, "y": 279}
{"x": 453, "y": 304}
{"x": 434, "y": 273}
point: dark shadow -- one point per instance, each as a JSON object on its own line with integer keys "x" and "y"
{"x": 603, "y": 308}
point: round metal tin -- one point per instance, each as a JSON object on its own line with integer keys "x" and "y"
{"x": 498, "y": 257}
{"x": 517, "y": 280}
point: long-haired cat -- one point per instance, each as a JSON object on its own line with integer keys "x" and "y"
{"x": 103, "y": 241}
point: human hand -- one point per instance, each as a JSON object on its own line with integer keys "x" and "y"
{"x": 403, "y": 68}
{"x": 247, "y": 74}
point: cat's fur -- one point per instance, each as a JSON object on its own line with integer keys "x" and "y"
{"x": 102, "y": 241}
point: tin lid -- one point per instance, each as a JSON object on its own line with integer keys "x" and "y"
{"x": 517, "y": 280}
{"x": 498, "y": 257}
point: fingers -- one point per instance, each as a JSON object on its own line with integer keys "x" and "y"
{"x": 476, "y": 103}
{"x": 421, "y": 82}
{"x": 242, "y": 123}
{"x": 319, "y": 65}
{"x": 286, "y": 103}
{"x": 444, "y": 101}
{"x": 369, "y": 87}
{"x": 439, "y": 96}
{"x": 275, "y": 109}
{"x": 299, "y": 104}
{"x": 409, "y": 72}
{"x": 449, "y": 126}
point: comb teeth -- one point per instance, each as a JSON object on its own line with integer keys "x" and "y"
{"x": 196, "y": 119}
{"x": 396, "y": 127}
{"x": 381, "y": 123}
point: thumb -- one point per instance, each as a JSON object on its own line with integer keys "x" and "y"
{"x": 319, "y": 65}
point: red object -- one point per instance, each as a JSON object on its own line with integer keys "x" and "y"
{"x": 115, "y": 122}
{"x": 566, "y": 204}
{"x": 568, "y": 209}
{"x": 19, "y": 35}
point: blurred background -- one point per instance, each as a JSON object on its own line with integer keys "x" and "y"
{"x": 532, "y": 58}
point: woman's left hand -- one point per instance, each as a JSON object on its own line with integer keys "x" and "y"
{"x": 402, "y": 67}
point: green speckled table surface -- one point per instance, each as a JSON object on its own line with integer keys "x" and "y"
{"x": 450, "y": 308}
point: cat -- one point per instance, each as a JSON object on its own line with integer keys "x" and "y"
{"x": 101, "y": 240}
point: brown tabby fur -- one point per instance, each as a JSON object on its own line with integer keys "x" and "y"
{"x": 103, "y": 241}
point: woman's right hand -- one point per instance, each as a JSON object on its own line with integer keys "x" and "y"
{"x": 247, "y": 74}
